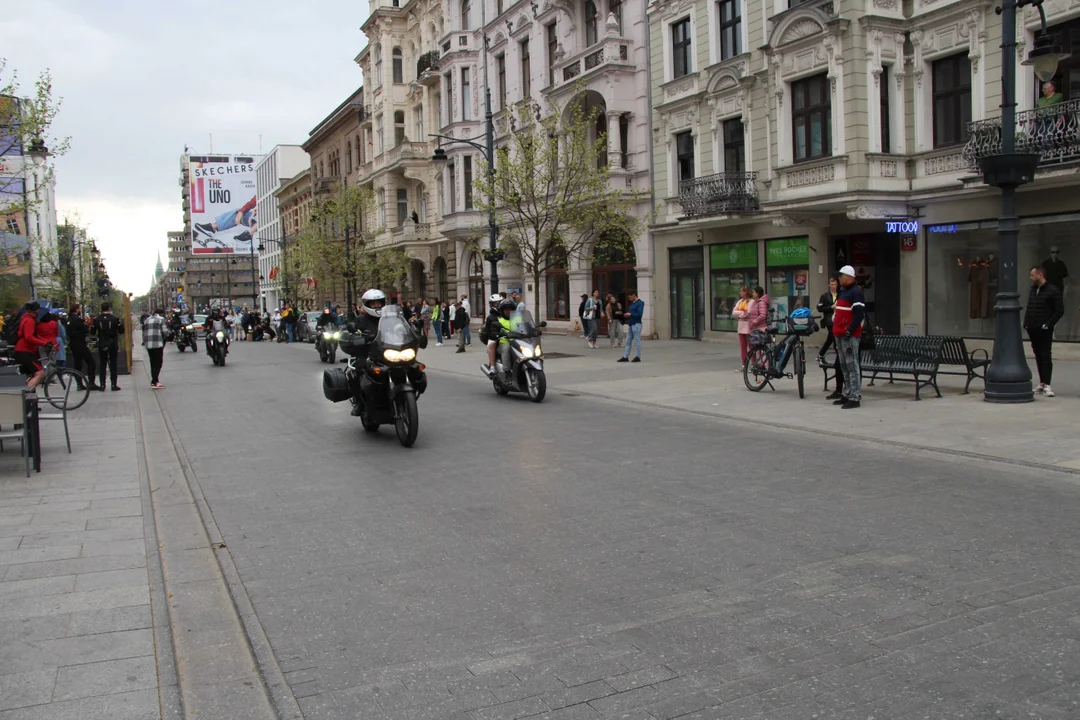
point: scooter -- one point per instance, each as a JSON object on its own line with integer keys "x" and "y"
{"x": 525, "y": 373}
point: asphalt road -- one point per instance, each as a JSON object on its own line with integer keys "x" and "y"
{"x": 592, "y": 559}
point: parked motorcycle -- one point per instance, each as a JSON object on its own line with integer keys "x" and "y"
{"x": 525, "y": 373}
{"x": 383, "y": 378}
{"x": 185, "y": 338}
{"x": 217, "y": 346}
{"x": 326, "y": 342}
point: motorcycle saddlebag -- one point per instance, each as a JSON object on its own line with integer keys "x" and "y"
{"x": 335, "y": 385}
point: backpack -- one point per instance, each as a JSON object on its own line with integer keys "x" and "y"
{"x": 11, "y": 328}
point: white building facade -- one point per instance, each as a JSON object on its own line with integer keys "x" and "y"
{"x": 282, "y": 163}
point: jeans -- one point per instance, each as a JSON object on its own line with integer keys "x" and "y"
{"x": 227, "y": 219}
{"x": 438, "y": 331}
{"x": 1041, "y": 344}
{"x": 468, "y": 335}
{"x": 157, "y": 355}
{"x": 615, "y": 332}
{"x": 633, "y": 335}
{"x": 292, "y": 332}
{"x": 107, "y": 357}
{"x": 848, "y": 350}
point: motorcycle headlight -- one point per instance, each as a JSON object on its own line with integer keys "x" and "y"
{"x": 337, "y": 336}
{"x": 525, "y": 350}
{"x": 190, "y": 328}
{"x": 221, "y": 336}
{"x": 539, "y": 351}
{"x": 406, "y": 355}
{"x": 328, "y": 335}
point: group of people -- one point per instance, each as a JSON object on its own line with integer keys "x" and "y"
{"x": 39, "y": 332}
{"x": 624, "y": 325}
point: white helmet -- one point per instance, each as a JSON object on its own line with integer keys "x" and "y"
{"x": 372, "y": 296}
{"x": 494, "y": 301}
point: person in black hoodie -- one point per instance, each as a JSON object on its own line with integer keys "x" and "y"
{"x": 1044, "y": 308}
{"x": 108, "y": 329}
{"x": 82, "y": 359}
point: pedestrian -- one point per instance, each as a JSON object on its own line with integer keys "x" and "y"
{"x": 741, "y": 313}
{"x": 518, "y": 302}
{"x": 1044, "y": 308}
{"x": 154, "y": 341}
{"x": 581, "y": 316}
{"x": 758, "y": 315}
{"x": 108, "y": 329}
{"x": 468, "y": 318}
{"x": 289, "y": 317}
{"x": 827, "y": 304}
{"x": 436, "y": 321}
{"x": 77, "y": 331}
{"x": 848, "y": 314}
{"x": 633, "y": 326}
{"x": 426, "y": 314}
{"x": 461, "y": 322}
{"x": 28, "y": 344}
{"x": 614, "y": 311}
{"x": 592, "y": 318}
{"x": 445, "y": 315}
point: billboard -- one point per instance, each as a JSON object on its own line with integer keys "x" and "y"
{"x": 223, "y": 217}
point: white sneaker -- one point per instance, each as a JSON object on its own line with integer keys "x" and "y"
{"x": 1047, "y": 391}
{"x": 1040, "y": 388}
{"x": 438, "y": 344}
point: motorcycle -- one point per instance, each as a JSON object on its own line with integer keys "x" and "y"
{"x": 217, "y": 346}
{"x": 382, "y": 379}
{"x": 185, "y": 338}
{"x": 326, "y": 342}
{"x": 526, "y": 371}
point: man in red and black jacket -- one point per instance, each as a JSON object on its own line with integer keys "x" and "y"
{"x": 847, "y": 327}
{"x": 27, "y": 344}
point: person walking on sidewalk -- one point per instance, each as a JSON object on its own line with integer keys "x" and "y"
{"x": 108, "y": 329}
{"x": 633, "y": 326}
{"x": 614, "y": 312}
{"x": 154, "y": 341}
{"x": 741, "y": 313}
{"x": 83, "y": 360}
{"x": 468, "y": 318}
{"x": 1044, "y": 308}
{"x": 591, "y": 316}
{"x": 827, "y": 305}
{"x": 461, "y": 323}
{"x": 848, "y": 317}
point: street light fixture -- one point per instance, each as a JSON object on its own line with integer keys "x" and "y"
{"x": 1008, "y": 379}
{"x": 38, "y": 152}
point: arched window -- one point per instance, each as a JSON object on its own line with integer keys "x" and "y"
{"x": 466, "y": 14}
{"x": 591, "y": 35}
{"x": 399, "y": 127}
{"x": 399, "y": 66}
{"x": 377, "y": 51}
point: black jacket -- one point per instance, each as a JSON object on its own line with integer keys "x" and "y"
{"x": 461, "y": 318}
{"x": 492, "y": 328}
{"x": 825, "y": 307}
{"x": 1044, "y": 307}
{"x": 108, "y": 329}
{"x": 323, "y": 321}
{"x": 77, "y": 331}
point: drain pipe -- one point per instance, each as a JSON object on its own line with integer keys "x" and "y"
{"x": 652, "y": 172}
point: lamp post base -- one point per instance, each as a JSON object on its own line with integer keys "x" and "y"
{"x": 1009, "y": 392}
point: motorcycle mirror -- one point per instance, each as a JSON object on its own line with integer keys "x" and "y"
{"x": 543, "y": 323}
{"x": 422, "y": 342}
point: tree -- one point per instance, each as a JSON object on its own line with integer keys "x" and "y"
{"x": 552, "y": 193}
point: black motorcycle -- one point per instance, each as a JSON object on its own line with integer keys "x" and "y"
{"x": 326, "y": 342}
{"x": 185, "y": 338}
{"x": 217, "y": 346}
{"x": 382, "y": 379}
{"x": 525, "y": 371}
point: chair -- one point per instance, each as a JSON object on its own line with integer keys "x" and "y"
{"x": 12, "y": 412}
{"x": 61, "y": 416}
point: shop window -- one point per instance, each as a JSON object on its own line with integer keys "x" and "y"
{"x": 730, "y": 28}
{"x": 731, "y": 267}
{"x": 811, "y": 118}
{"x": 680, "y": 48}
{"x": 398, "y": 66}
{"x": 787, "y": 272}
{"x": 952, "y": 99}
{"x": 734, "y": 146}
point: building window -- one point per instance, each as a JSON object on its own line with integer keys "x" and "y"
{"x": 402, "y": 206}
{"x": 526, "y": 70}
{"x": 421, "y": 135}
{"x": 680, "y": 46}
{"x": 553, "y": 49}
{"x": 601, "y": 141}
{"x": 466, "y": 14}
{"x": 399, "y": 127}
{"x": 378, "y": 65}
{"x": 730, "y": 28}
{"x": 379, "y": 135}
{"x": 448, "y": 81}
{"x": 590, "y": 23}
{"x": 886, "y": 115}
{"x": 734, "y": 146}
{"x": 952, "y": 100}
{"x": 498, "y": 8}
{"x": 811, "y": 118}
{"x": 684, "y": 155}
{"x": 624, "y": 140}
{"x": 466, "y": 95}
{"x": 467, "y": 181}
{"x": 348, "y": 156}
{"x": 398, "y": 66}
{"x": 615, "y": 8}
{"x": 451, "y": 179}
{"x": 438, "y": 104}
{"x": 557, "y": 290}
{"x": 500, "y": 78}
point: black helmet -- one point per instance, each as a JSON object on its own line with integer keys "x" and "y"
{"x": 507, "y": 305}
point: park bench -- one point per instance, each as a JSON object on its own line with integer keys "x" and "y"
{"x": 919, "y": 357}
{"x": 956, "y": 354}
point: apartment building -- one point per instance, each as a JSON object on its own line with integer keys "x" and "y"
{"x": 294, "y": 201}
{"x": 281, "y": 164}
{"x": 790, "y": 139}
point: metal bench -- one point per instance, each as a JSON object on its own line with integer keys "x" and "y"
{"x": 956, "y": 354}
{"x": 895, "y": 355}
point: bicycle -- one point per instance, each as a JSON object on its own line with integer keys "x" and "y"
{"x": 65, "y": 388}
{"x": 767, "y": 359}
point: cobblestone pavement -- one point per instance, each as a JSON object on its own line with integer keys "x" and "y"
{"x": 76, "y": 631}
{"x": 589, "y": 559}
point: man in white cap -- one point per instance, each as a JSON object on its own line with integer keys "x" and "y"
{"x": 847, "y": 329}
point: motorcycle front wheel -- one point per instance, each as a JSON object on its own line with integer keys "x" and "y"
{"x": 182, "y": 347}
{"x": 536, "y": 384}
{"x": 407, "y": 419}
{"x": 333, "y": 356}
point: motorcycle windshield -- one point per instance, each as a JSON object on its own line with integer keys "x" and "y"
{"x": 521, "y": 322}
{"x": 394, "y": 330}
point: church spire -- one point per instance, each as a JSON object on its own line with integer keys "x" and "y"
{"x": 159, "y": 270}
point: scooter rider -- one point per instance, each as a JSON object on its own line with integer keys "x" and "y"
{"x": 491, "y": 329}
{"x": 506, "y": 309}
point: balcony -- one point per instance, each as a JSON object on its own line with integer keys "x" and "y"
{"x": 1052, "y": 133}
{"x": 363, "y": 114}
{"x": 611, "y": 52}
{"x": 721, "y": 194}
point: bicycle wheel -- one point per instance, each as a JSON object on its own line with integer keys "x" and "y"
{"x": 66, "y": 389}
{"x": 756, "y": 368}
{"x": 800, "y": 369}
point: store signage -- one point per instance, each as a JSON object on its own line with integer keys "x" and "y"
{"x": 907, "y": 226}
{"x": 908, "y": 243}
{"x": 949, "y": 229}
{"x": 734, "y": 256}
{"x": 787, "y": 251}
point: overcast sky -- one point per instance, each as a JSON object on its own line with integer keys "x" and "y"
{"x": 140, "y": 80}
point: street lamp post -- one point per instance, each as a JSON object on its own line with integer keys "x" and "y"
{"x": 492, "y": 254}
{"x": 1008, "y": 379}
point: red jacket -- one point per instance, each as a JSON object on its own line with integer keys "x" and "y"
{"x": 47, "y": 330}
{"x": 28, "y": 340}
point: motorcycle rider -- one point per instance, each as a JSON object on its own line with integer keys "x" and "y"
{"x": 491, "y": 329}
{"x": 325, "y": 319}
{"x": 506, "y": 309}
{"x": 367, "y": 325}
{"x": 215, "y": 323}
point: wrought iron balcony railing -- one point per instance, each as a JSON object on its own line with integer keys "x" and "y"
{"x": 720, "y": 194}
{"x": 363, "y": 114}
{"x": 1052, "y": 133}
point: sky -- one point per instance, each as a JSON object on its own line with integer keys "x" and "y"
{"x": 140, "y": 80}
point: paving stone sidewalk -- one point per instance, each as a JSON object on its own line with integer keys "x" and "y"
{"x": 77, "y": 633}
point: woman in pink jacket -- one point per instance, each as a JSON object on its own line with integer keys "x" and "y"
{"x": 758, "y": 317}
{"x": 740, "y": 313}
